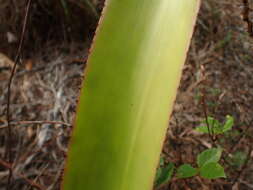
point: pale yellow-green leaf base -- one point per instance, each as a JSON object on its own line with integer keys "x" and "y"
{"x": 131, "y": 81}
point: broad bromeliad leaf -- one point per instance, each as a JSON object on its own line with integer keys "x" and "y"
{"x": 212, "y": 170}
{"x": 164, "y": 174}
{"x": 209, "y": 155}
{"x": 132, "y": 77}
{"x": 186, "y": 170}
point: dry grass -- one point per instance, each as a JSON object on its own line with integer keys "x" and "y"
{"x": 50, "y": 22}
{"x": 47, "y": 83}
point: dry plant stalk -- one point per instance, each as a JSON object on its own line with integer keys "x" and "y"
{"x": 8, "y": 114}
{"x": 246, "y": 18}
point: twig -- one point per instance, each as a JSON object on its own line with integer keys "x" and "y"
{"x": 203, "y": 102}
{"x": 35, "y": 122}
{"x": 204, "y": 107}
{"x": 40, "y": 174}
{"x": 30, "y": 182}
{"x": 8, "y": 115}
{"x": 52, "y": 66}
{"x": 58, "y": 177}
{"x": 245, "y": 16}
{"x": 246, "y": 183}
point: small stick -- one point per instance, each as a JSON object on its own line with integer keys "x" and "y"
{"x": 8, "y": 115}
{"x": 35, "y": 122}
{"x": 245, "y": 16}
{"x": 32, "y": 183}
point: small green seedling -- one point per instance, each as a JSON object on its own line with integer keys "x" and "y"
{"x": 186, "y": 171}
{"x": 164, "y": 173}
{"x": 213, "y": 126}
{"x": 208, "y": 166}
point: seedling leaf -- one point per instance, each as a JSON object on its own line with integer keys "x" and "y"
{"x": 202, "y": 129}
{"x": 186, "y": 170}
{"x": 164, "y": 174}
{"x": 212, "y": 170}
{"x": 229, "y": 123}
{"x": 209, "y": 155}
{"x": 214, "y": 125}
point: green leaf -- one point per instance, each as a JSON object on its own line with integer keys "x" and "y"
{"x": 212, "y": 170}
{"x": 164, "y": 175}
{"x": 228, "y": 124}
{"x": 209, "y": 155}
{"x": 215, "y": 126}
{"x": 131, "y": 81}
{"x": 186, "y": 170}
{"x": 158, "y": 173}
{"x": 202, "y": 129}
{"x": 161, "y": 163}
